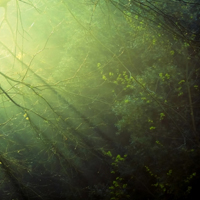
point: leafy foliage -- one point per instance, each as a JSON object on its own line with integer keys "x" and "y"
{"x": 102, "y": 103}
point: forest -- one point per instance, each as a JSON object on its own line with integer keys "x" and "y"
{"x": 99, "y": 99}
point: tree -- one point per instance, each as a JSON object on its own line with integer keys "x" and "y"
{"x": 156, "y": 111}
{"x": 68, "y": 93}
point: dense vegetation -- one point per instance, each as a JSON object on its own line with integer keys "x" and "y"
{"x": 99, "y": 99}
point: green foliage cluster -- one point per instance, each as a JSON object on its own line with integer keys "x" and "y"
{"x": 118, "y": 188}
{"x": 156, "y": 102}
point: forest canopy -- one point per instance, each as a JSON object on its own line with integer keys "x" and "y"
{"x": 99, "y": 99}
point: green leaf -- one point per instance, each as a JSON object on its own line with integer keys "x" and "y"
{"x": 109, "y": 154}
{"x": 104, "y": 77}
{"x": 115, "y": 183}
{"x": 194, "y": 174}
{"x": 152, "y": 128}
{"x": 124, "y": 185}
{"x": 161, "y": 76}
{"x": 126, "y": 101}
{"x": 182, "y": 81}
{"x": 167, "y": 75}
{"x": 180, "y": 94}
{"x": 169, "y": 173}
{"x": 98, "y": 65}
{"x": 150, "y": 121}
{"x": 162, "y": 115}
